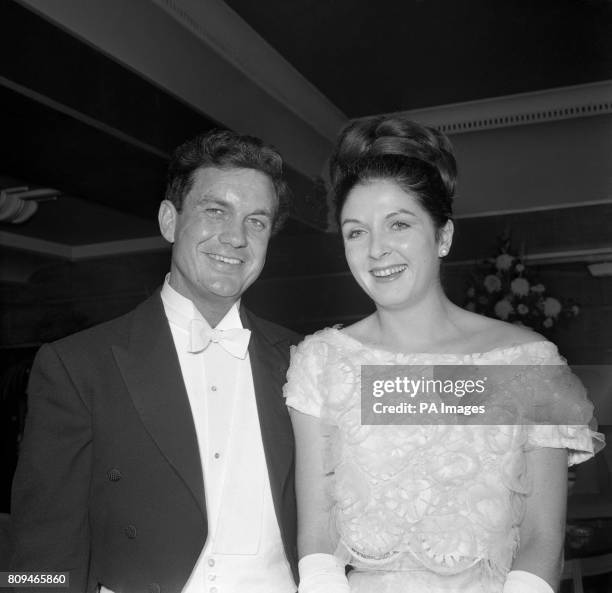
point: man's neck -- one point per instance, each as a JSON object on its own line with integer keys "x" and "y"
{"x": 213, "y": 312}
{"x": 212, "y": 309}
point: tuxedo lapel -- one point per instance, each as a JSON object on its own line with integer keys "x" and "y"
{"x": 151, "y": 370}
{"x": 269, "y": 367}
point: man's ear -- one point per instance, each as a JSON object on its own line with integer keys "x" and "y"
{"x": 445, "y": 238}
{"x": 167, "y": 220}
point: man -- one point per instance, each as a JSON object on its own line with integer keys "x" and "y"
{"x": 158, "y": 452}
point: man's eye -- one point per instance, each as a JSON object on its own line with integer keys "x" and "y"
{"x": 215, "y": 212}
{"x": 258, "y": 224}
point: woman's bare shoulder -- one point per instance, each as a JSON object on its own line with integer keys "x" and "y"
{"x": 487, "y": 333}
{"x": 360, "y": 330}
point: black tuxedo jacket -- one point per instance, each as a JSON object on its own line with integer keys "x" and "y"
{"x": 109, "y": 481}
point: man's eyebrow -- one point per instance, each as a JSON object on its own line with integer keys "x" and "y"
{"x": 210, "y": 198}
{"x": 261, "y": 212}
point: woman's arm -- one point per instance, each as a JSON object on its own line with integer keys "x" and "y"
{"x": 542, "y": 530}
{"x": 320, "y": 571}
{"x": 310, "y": 480}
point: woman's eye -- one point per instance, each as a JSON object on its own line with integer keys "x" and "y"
{"x": 354, "y": 233}
{"x": 400, "y": 225}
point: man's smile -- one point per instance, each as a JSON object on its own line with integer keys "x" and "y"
{"x": 234, "y": 261}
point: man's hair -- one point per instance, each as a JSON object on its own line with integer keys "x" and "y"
{"x": 224, "y": 149}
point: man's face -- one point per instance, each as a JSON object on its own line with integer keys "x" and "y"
{"x": 220, "y": 235}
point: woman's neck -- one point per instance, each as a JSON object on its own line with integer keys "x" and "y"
{"x": 418, "y": 328}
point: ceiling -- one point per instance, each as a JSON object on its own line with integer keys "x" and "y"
{"x": 385, "y": 56}
{"x": 93, "y": 103}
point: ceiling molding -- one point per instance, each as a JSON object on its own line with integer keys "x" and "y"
{"x": 588, "y": 256}
{"x": 221, "y": 28}
{"x": 82, "y": 117}
{"x": 517, "y": 110}
{"x": 150, "y": 39}
{"x": 560, "y": 206}
{"x": 80, "y": 252}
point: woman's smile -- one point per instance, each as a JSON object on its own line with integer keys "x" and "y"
{"x": 388, "y": 273}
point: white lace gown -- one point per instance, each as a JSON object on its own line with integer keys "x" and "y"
{"x": 432, "y": 509}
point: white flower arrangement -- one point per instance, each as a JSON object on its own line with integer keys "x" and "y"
{"x": 520, "y": 286}
{"x": 492, "y": 283}
{"x": 504, "y": 261}
{"x": 506, "y": 289}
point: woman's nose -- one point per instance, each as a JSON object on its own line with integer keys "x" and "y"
{"x": 378, "y": 247}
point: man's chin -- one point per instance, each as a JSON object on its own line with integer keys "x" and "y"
{"x": 227, "y": 291}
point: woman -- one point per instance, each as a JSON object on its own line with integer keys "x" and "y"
{"x": 429, "y": 508}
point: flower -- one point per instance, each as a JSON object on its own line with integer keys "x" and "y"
{"x": 552, "y": 307}
{"x": 520, "y": 286}
{"x": 505, "y": 288}
{"x": 503, "y": 309}
{"x": 503, "y": 261}
{"x": 492, "y": 283}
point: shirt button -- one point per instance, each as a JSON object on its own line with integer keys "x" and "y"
{"x": 213, "y": 590}
{"x": 211, "y": 562}
{"x": 217, "y": 455}
{"x": 130, "y": 532}
{"x": 212, "y": 577}
{"x": 213, "y": 388}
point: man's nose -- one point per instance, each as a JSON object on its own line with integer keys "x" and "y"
{"x": 233, "y": 234}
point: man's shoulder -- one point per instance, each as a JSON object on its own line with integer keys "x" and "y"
{"x": 272, "y": 331}
{"x": 113, "y": 331}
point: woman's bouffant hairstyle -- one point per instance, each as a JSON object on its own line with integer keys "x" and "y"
{"x": 225, "y": 149}
{"x": 419, "y": 159}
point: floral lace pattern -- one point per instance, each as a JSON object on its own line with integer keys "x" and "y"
{"x": 443, "y": 501}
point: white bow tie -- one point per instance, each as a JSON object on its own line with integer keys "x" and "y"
{"x": 234, "y": 341}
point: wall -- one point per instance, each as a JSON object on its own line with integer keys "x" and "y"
{"x": 551, "y": 164}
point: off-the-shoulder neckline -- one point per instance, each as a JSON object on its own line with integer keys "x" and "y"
{"x": 337, "y": 331}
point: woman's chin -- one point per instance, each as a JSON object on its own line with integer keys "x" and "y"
{"x": 392, "y": 295}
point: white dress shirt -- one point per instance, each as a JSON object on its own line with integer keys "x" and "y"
{"x": 244, "y": 550}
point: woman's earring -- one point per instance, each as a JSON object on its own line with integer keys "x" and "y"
{"x": 443, "y": 251}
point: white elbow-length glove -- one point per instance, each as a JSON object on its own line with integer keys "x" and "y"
{"x": 322, "y": 573}
{"x": 521, "y": 581}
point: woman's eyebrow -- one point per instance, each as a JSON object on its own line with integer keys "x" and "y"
{"x": 347, "y": 220}
{"x": 401, "y": 211}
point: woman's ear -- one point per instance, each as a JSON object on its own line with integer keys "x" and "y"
{"x": 167, "y": 220}
{"x": 445, "y": 238}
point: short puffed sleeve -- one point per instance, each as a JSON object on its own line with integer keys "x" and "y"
{"x": 557, "y": 409}
{"x": 304, "y": 388}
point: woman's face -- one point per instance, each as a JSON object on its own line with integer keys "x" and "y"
{"x": 390, "y": 243}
